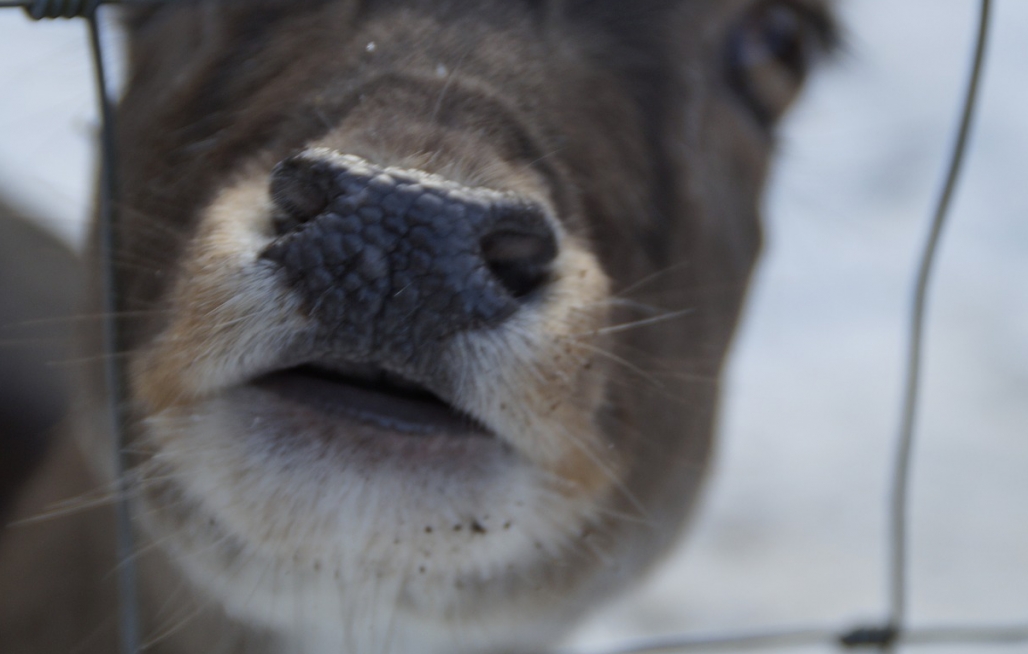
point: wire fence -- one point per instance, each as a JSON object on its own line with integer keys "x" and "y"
{"x": 893, "y": 633}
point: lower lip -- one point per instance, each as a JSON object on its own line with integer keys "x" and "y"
{"x": 395, "y": 413}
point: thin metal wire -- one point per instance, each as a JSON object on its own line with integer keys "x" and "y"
{"x": 40, "y": 9}
{"x": 736, "y": 641}
{"x": 128, "y": 588}
{"x": 898, "y": 537}
{"x": 977, "y": 635}
{"x": 810, "y": 636}
{"x": 28, "y": 4}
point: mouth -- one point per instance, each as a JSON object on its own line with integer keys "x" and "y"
{"x": 372, "y": 396}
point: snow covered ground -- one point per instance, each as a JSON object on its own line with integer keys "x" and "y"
{"x": 793, "y": 527}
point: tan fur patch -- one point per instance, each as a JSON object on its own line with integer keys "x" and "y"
{"x": 231, "y": 315}
{"x": 538, "y": 380}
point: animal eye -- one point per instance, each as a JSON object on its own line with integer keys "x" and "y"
{"x": 770, "y": 51}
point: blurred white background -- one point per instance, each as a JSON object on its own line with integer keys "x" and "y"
{"x": 792, "y": 529}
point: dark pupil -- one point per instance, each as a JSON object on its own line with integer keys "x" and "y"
{"x": 781, "y": 33}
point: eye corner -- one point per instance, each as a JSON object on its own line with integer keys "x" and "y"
{"x": 770, "y": 50}
{"x": 826, "y": 35}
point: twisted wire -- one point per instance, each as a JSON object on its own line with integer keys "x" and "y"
{"x": 53, "y": 9}
{"x": 40, "y": 9}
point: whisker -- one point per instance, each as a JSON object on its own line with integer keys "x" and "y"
{"x": 95, "y": 358}
{"x": 83, "y": 317}
{"x": 652, "y": 277}
{"x": 625, "y": 362}
{"x": 614, "y": 329}
{"x": 84, "y": 502}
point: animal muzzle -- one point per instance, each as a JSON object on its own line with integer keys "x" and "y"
{"x": 391, "y": 261}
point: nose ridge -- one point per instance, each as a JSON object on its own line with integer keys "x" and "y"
{"x": 389, "y": 260}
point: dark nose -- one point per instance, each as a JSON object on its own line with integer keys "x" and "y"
{"x": 391, "y": 260}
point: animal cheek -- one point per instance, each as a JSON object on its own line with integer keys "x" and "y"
{"x": 541, "y": 381}
{"x": 229, "y": 311}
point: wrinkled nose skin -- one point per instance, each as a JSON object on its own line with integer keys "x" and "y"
{"x": 390, "y": 261}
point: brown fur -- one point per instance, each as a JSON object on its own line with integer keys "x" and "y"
{"x": 618, "y": 117}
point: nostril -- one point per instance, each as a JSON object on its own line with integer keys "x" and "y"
{"x": 300, "y": 192}
{"x": 520, "y": 256}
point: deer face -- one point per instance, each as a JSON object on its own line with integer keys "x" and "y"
{"x": 435, "y": 296}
